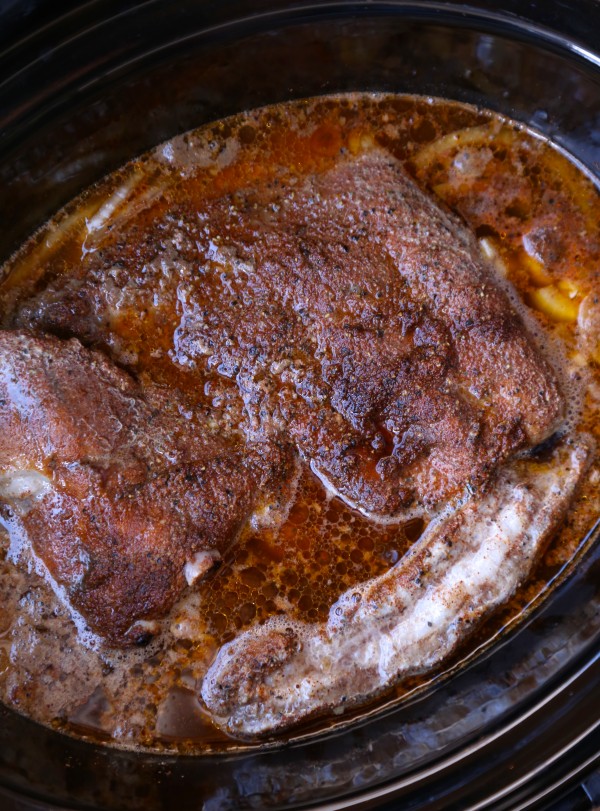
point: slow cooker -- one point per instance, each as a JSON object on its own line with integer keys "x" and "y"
{"x": 86, "y": 86}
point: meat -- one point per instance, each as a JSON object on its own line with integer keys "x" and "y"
{"x": 406, "y": 621}
{"x": 359, "y": 326}
{"x": 123, "y": 497}
{"x": 355, "y": 316}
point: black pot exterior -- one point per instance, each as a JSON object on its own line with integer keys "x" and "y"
{"x": 81, "y": 95}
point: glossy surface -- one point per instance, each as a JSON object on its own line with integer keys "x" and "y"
{"x": 97, "y": 273}
{"x": 540, "y": 82}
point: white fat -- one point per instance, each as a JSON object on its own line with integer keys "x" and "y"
{"x": 531, "y": 249}
{"x": 489, "y": 251}
{"x": 470, "y": 162}
{"x": 588, "y": 327}
{"x": 510, "y": 522}
{"x": 384, "y": 520}
{"x": 199, "y": 565}
{"x": 22, "y": 488}
{"x": 399, "y": 624}
{"x": 187, "y": 153}
{"x": 145, "y": 626}
{"x": 275, "y": 510}
{"x": 108, "y": 208}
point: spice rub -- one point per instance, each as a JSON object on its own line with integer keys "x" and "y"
{"x": 291, "y": 285}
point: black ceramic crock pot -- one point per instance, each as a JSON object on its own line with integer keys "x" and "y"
{"x": 86, "y": 86}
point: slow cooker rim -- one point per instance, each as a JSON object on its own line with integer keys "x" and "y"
{"x": 463, "y": 15}
{"x": 532, "y": 30}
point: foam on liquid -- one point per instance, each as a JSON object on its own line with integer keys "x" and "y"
{"x": 295, "y": 559}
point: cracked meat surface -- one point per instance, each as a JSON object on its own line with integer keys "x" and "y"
{"x": 116, "y": 486}
{"x": 405, "y": 621}
{"x": 356, "y": 317}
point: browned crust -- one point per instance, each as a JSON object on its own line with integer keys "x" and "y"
{"x": 356, "y": 317}
{"x": 137, "y": 489}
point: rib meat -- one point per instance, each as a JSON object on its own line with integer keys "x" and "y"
{"x": 406, "y": 621}
{"x": 123, "y": 497}
{"x": 356, "y": 317}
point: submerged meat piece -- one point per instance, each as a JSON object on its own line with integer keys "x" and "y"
{"x": 356, "y": 316}
{"x": 121, "y": 495}
{"x": 406, "y": 621}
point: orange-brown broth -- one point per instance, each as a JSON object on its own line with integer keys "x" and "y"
{"x": 503, "y": 180}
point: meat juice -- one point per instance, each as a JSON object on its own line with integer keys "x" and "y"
{"x": 536, "y": 215}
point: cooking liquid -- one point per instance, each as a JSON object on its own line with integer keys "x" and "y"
{"x": 537, "y": 217}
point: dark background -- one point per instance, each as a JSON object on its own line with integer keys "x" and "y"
{"x": 19, "y": 18}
